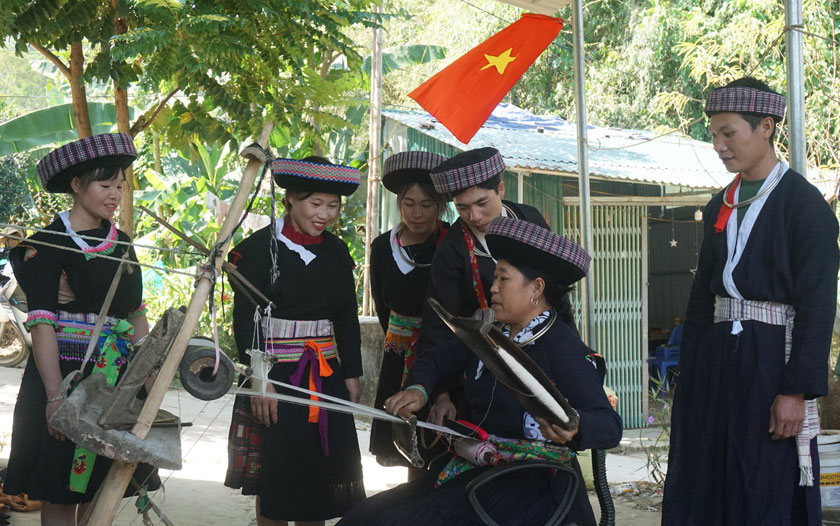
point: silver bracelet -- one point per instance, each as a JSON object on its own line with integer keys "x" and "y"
{"x": 58, "y": 398}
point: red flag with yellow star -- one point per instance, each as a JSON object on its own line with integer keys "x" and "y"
{"x": 463, "y": 95}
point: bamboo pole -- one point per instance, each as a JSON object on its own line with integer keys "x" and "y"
{"x": 104, "y": 506}
{"x": 374, "y": 161}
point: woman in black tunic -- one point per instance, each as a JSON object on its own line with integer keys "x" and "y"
{"x": 302, "y": 464}
{"x": 65, "y": 290}
{"x": 534, "y": 271}
{"x": 399, "y": 269}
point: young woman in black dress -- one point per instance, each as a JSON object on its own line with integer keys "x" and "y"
{"x": 399, "y": 268}
{"x": 302, "y": 463}
{"x": 65, "y": 286}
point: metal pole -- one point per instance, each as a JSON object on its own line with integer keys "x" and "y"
{"x": 374, "y": 160}
{"x": 583, "y": 170}
{"x": 645, "y": 310}
{"x": 795, "y": 83}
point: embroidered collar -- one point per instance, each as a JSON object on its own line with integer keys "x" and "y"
{"x": 299, "y": 237}
{"x": 300, "y": 250}
{"x": 527, "y": 335}
{"x": 545, "y": 320}
{"x": 106, "y": 247}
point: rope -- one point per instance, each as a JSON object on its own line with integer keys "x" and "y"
{"x": 94, "y": 238}
{"x": 216, "y": 252}
{"x": 209, "y": 270}
{"x": 197, "y": 440}
{"x": 799, "y": 28}
{"x": 274, "y": 272}
{"x": 767, "y": 52}
{"x": 80, "y": 251}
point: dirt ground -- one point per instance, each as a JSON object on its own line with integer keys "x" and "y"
{"x": 195, "y": 494}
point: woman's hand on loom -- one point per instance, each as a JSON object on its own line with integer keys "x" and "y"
{"x": 442, "y": 409}
{"x": 411, "y": 400}
{"x": 264, "y": 410}
{"x": 554, "y": 432}
{"x": 354, "y": 389}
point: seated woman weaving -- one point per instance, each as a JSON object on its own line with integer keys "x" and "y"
{"x": 535, "y": 268}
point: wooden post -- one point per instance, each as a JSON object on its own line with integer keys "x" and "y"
{"x": 374, "y": 161}
{"x": 103, "y": 509}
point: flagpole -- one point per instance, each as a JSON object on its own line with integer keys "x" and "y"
{"x": 588, "y": 310}
{"x": 374, "y": 160}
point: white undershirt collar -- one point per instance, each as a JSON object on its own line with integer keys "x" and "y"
{"x": 737, "y": 236}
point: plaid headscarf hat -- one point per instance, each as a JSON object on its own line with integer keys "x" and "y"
{"x": 311, "y": 176}
{"x": 742, "y": 99}
{"x": 524, "y": 243}
{"x": 107, "y": 150}
{"x": 409, "y": 167}
{"x": 469, "y": 168}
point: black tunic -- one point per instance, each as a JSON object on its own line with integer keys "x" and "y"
{"x": 521, "y": 498}
{"x": 393, "y": 291}
{"x": 724, "y": 468}
{"x": 296, "y": 481}
{"x": 39, "y": 465}
{"x": 451, "y": 282}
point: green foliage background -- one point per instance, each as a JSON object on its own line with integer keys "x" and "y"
{"x": 230, "y": 65}
{"x": 648, "y": 63}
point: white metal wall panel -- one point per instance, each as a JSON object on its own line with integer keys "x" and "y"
{"x": 617, "y": 268}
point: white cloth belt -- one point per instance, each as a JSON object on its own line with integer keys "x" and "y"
{"x": 281, "y": 328}
{"x": 738, "y": 310}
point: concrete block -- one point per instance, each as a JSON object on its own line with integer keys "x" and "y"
{"x": 373, "y": 345}
{"x": 78, "y": 419}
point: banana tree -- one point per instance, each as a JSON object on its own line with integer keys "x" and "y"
{"x": 54, "y": 125}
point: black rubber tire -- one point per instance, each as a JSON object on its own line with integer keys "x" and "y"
{"x": 196, "y": 371}
{"x": 13, "y": 349}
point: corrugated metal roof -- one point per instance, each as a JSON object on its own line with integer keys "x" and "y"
{"x": 545, "y": 7}
{"x": 549, "y": 144}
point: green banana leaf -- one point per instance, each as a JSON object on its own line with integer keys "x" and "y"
{"x": 398, "y": 57}
{"x": 394, "y": 58}
{"x": 54, "y": 125}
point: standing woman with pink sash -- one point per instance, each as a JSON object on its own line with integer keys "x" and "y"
{"x": 302, "y": 463}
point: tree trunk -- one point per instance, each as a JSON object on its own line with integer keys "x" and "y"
{"x": 318, "y": 144}
{"x": 126, "y": 215}
{"x": 77, "y": 90}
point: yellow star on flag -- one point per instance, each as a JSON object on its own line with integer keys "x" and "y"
{"x": 500, "y": 62}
